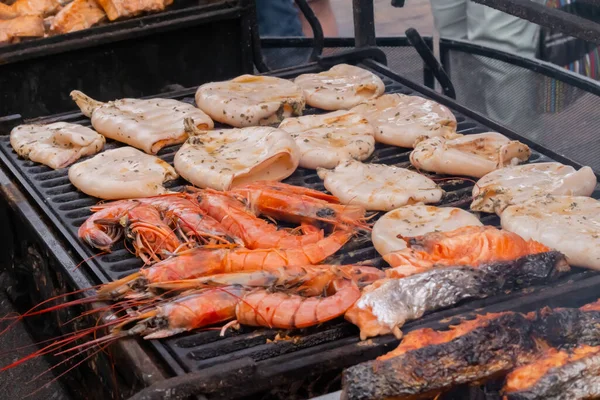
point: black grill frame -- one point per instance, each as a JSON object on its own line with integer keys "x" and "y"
{"x": 248, "y": 351}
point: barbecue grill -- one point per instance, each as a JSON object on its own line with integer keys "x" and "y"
{"x": 131, "y": 58}
{"x": 43, "y": 211}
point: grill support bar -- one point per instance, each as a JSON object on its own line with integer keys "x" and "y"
{"x": 364, "y": 23}
{"x": 549, "y": 17}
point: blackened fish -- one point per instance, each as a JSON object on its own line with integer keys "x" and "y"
{"x": 569, "y": 326}
{"x": 387, "y": 305}
{"x": 557, "y": 375}
{"x": 428, "y": 362}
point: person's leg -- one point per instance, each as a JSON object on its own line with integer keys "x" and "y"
{"x": 278, "y": 18}
{"x": 509, "y": 92}
{"x": 450, "y": 18}
{"x": 324, "y": 12}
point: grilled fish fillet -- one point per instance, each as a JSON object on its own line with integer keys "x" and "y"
{"x": 428, "y": 362}
{"x": 250, "y": 100}
{"x": 78, "y": 15}
{"x": 399, "y": 120}
{"x": 570, "y": 224}
{"x": 470, "y": 155}
{"x": 326, "y": 140}
{"x": 148, "y": 125}
{"x": 469, "y": 245}
{"x": 386, "y": 305}
{"x": 557, "y": 375}
{"x": 515, "y": 185}
{"x": 341, "y": 87}
{"x": 116, "y": 9}
{"x": 221, "y": 159}
{"x": 568, "y": 326}
{"x": 19, "y": 8}
{"x": 56, "y": 145}
{"x": 393, "y": 229}
{"x": 123, "y": 173}
{"x": 378, "y": 186}
{"x": 12, "y": 30}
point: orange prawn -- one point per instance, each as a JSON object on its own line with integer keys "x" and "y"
{"x": 102, "y": 229}
{"x": 152, "y": 238}
{"x": 469, "y": 245}
{"x": 299, "y": 205}
{"x": 292, "y": 311}
{"x": 210, "y": 260}
{"x": 255, "y": 232}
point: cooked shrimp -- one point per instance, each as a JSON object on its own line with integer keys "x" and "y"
{"x": 295, "y": 204}
{"x": 308, "y": 280}
{"x": 152, "y": 239}
{"x": 254, "y": 232}
{"x": 469, "y": 245}
{"x": 211, "y": 260}
{"x": 292, "y": 311}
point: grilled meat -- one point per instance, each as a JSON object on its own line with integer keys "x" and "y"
{"x": 378, "y": 186}
{"x": 221, "y": 159}
{"x": 123, "y": 173}
{"x": 388, "y": 304}
{"x": 250, "y": 100}
{"x": 469, "y": 245}
{"x": 392, "y": 230}
{"x": 516, "y": 185}
{"x": 78, "y": 15}
{"x": 148, "y": 125}
{"x": 400, "y": 120}
{"x": 56, "y": 145}
{"x": 116, "y": 9}
{"x": 469, "y": 155}
{"x": 326, "y": 140}
{"x": 341, "y": 87}
{"x": 12, "y": 30}
{"x": 557, "y": 375}
{"x": 569, "y": 326}
{"x": 19, "y": 8}
{"x": 570, "y": 224}
{"x": 428, "y": 362}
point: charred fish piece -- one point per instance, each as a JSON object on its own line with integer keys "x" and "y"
{"x": 557, "y": 375}
{"x": 569, "y": 326}
{"x": 429, "y": 362}
{"x": 386, "y": 305}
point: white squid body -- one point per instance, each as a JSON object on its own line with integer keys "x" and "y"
{"x": 469, "y": 155}
{"x": 379, "y": 187}
{"x": 222, "y": 159}
{"x": 515, "y": 185}
{"x": 409, "y": 221}
{"x": 148, "y": 125}
{"x": 326, "y": 140}
{"x": 399, "y": 120}
{"x": 56, "y": 145}
{"x": 122, "y": 173}
{"x": 341, "y": 87}
{"x": 569, "y": 224}
{"x": 250, "y": 100}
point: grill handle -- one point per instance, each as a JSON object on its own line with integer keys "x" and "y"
{"x": 431, "y": 62}
{"x": 317, "y": 29}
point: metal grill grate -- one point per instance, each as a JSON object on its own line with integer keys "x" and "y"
{"x": 67, "y": 208}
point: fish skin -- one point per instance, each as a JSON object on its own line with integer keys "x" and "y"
{"x": 576, "y": 380}
{"x": 421, "y": 373}
{"x": 568, "y": 326}
{"x": 400, "y": 300}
